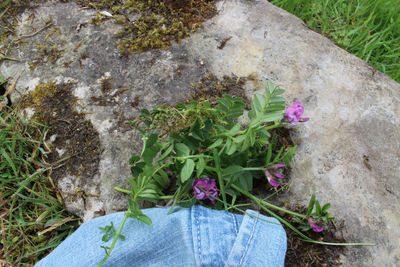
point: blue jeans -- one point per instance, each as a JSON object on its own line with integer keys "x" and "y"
{"x": 187, "y": 237}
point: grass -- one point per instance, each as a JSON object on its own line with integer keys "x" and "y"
{"x": 32, "y": 216}
{"x": 369, "y": 29}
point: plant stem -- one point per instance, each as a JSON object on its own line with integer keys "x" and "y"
{"x": 210, "y": 168}
{"x": 254, "y": 169}
{"x": 219, "y": 173}
{"x": 275, "y": 126}
{"x": 194, "y": 157}
{"x": 114, "y": 240}
{"x": 307, "y": 239}
{"x": 165, "y": 197}
{"x": 262, "y": 202}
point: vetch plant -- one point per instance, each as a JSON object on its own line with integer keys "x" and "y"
{"x": 205, "y": 188}
{"x": 273, "y": 174}
{"x": 213, "y": 158}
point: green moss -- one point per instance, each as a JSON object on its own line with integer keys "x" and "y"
{"x": 54, "y": 106}
{"x": 47, "y": 53}
{"x": 42, "y": 92}
{"x": 161, "y": 22}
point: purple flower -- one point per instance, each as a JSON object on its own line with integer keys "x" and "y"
{"x": 315, "y": 227}
{"x": 293, "y": 113}
{"x": 208, "y": 185}
{"x": 272, "y": 174}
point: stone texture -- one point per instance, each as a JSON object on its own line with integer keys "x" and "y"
{"x": 349, "y": 152}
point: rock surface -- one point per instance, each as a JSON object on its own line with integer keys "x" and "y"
{"x": 349, "y": 152}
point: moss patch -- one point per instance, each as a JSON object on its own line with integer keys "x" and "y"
{"x": 160, "y": 22}
{"x": 76, "y": 148}
{"x": 48, "y": 52}
{"x": 210, "y": 88}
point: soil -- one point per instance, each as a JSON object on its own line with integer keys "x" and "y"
{"x": 305, "y": 254}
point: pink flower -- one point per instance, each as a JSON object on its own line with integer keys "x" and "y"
{"x": 315, "y": 227}
{"x": 293, "y": 113}
{"x": 208, "y": 185}
{"x": 273, "y": 174}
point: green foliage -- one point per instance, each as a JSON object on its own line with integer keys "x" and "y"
{"x": 33, "y": 218}
{"x": 109, "y": 231}
{"x": 199, "y": 140}
{"x": 192, "y": 132}
{"x": 315, "y": 211}
{"x": 365, "y": 28}
{"x": 184, "y": 142}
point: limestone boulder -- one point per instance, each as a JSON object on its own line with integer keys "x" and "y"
{"x": 349, "y": 151}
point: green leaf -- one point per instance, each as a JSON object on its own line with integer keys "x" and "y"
{"x": 230, "y": 107}
{"x": 15, "y": 239}
{"x": 277, "y": 100}
{"x": 10, "y": 162}
{"x": 145, "y": 113}
{"x": 325, "y": 208}
{"x": 187, "y": 203}
{"x": 231, "y": 149}
{"x": 166, "y": 152}
{"x": 239, "y": 139}
{"x": 217, "y": 143}
{"x": 318, "y": 208}
{"x": 287, "y": 158}
{"x": 149, "y": 154}
{"x": 270, "y": 88}
{"x": 200, "y": 166}
{"x": 252, "y": 136}
{"x": 246, "y": 143}
{"x": 197, "y": 133}
{"x": 257, "y": 105}
{"x": 232, "y": 170}
{"x": 134, "y": 159}
{"x": 271, "y": 116}
{"x": 246, "y": 181}
{"x": 134, "y": 186}
{"x": 235, "y": 129}
{"x": 310, "y": 205}
{"x": 187, "y": 170}
{"x": 145, "y": 219}
{"x": 151, "y": 148}
{"x": 182, "y": 150}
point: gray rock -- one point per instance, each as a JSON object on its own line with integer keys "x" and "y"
{"x": 349, "y": 152}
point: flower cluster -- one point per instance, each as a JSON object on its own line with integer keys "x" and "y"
{"x": 315, "y": 227}
{"x": 208, "y": 185}
{"x": 272, "y": 173}
{"x": 293, "y": 113}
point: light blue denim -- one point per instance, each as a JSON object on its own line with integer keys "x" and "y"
{"x": 187, "y": 237}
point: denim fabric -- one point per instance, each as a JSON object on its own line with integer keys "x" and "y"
{"x": 187, "y": 237}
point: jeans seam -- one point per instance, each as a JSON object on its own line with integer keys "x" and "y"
{"x": 248, "y": 242}
{"x": 198, "y": 236}
{"x": 235, "y": 223}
